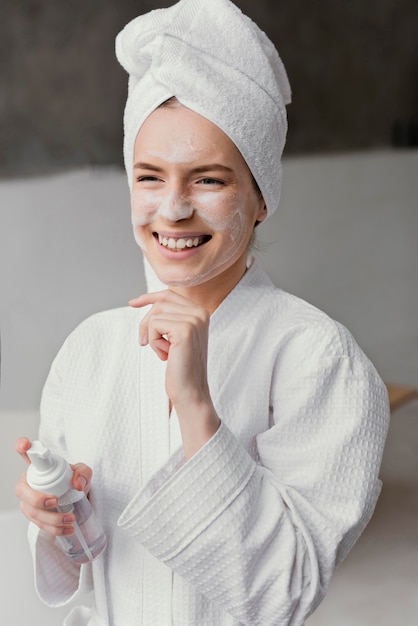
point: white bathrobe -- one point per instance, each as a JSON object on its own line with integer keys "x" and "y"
{"x": 250, "y": 529}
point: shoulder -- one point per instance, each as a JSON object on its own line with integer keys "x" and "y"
{"x": 106, "y": 333}
{"x": 289, "y": 321}
{"x": 313, "y": 345}
{"x": 112, "y": 323}
{"x": 310, "y": 328}
{"x": 110, "y": 320}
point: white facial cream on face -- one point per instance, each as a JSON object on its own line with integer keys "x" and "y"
{"x": 190, "y": 178}
{"x": 185, "y": 151}
{"x": 147, "y": 207}
{"x": 219, "y": 213}
{"x": 175, "y": 208}
{"x": 233, "y": 225}
{"x": 222, "y": 214}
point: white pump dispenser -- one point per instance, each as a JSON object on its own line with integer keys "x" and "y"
{"x": 51, "y": 474}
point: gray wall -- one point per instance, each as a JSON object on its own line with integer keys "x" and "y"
{"x": 352, "y": 65}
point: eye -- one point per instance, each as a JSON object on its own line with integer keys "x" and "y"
{"x": 145, "y": 179}
{"x": 210, "y": 181}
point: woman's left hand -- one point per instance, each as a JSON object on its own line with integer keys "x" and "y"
{"x": 177, "y": 330}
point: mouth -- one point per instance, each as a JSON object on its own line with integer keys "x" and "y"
{"x": 184, "y": 242}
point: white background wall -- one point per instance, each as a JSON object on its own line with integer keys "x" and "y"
{"x": 345, "y": 238}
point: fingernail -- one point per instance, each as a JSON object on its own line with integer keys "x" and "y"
{"x": 83, "y": 481}
{"x": 50, "y": 503}
{"x": 68, "y": 519}
{"x": 68, "y": 531}
{"x": 143, "y": 337}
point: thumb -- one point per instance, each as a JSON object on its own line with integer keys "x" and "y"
{"x": 22, "y": 445}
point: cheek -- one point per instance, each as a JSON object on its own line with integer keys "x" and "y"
{"x": 237, "y": 226}
{"x": 143, "y": 207}
{"x": 229, "y": 215}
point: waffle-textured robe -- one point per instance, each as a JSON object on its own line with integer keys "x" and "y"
{"x": 250, "y": 529}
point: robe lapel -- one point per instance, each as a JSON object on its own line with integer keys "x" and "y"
{"x": 154, "y": 437}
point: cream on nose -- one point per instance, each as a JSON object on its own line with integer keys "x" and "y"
{"x": 175, "y": 207}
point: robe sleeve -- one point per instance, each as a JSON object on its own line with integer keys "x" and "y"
{"x": 57, "y": 579}
{"x": 261, "y": 537}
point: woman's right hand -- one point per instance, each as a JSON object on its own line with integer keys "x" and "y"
{"x": 40, "y": 508}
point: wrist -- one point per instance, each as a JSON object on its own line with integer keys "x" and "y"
{"x": 198, "y": 423}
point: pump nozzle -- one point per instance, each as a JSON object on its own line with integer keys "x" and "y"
{"x": 48, "y": 472}
{"x": 41, "y": 457}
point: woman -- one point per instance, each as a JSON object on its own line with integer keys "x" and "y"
{"x": 235, "y": 451}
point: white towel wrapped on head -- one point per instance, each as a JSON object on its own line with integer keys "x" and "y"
{"x": 217, "y": 62}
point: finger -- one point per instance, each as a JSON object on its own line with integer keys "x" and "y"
{"x": 159, "y": 296}
{"x": 82, "y": 475}
{"x": 143, "y": 327}
{"x": 33, "y": 498}
{"x": 161, "y": 347}
{"x": 54, "y": 522}
{"x": 168, "y": 313}
{"x": 160, "y": 344}
{"x": 22, "y": 446}
{"x": 167, "y": 310}
{"x": 146, "y": 298}
{"x": 166, "y": 332}
{"x": 153, "y": 314}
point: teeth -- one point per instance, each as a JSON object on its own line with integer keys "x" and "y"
{"x": 181, "y": 243}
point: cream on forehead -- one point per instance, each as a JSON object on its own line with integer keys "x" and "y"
{"x": 180, "y": 150}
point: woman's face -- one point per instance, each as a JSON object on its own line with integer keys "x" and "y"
{"x": 194, "y": 203}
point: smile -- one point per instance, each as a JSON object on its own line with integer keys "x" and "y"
{"x": 181, "y": 243}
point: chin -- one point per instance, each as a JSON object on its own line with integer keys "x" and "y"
{"x": 181, "y": 281}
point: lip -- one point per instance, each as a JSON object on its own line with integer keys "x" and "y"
{"x": 180, "y": 234}
{"x": 184, "y": 253}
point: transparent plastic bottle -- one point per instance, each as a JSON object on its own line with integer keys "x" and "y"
{"x": 51, "y": 474}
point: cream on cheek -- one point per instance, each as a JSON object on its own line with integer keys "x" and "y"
{"x": 144, "y": 207}
{"x": 234, "y": 223}
{"x": 227, "y": 214}
{"x": 223, "y": 214}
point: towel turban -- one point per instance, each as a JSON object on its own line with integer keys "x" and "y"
{"x": 217, "y": 62}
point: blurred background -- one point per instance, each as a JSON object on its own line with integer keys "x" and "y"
{"x": 344, "y": 238}
{"x": 352, "y": 67}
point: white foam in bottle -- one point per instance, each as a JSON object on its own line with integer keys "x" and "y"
{"x": 51, "y": 474}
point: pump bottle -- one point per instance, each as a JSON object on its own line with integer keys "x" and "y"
{"x": 51, "y": 474}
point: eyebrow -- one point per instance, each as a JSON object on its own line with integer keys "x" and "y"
{"x": 210, "y": 167}
{"x": 146, "y": 166}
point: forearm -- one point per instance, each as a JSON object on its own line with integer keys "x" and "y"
{"x": 198, "y": 423}
{"x": 221, "y": 524}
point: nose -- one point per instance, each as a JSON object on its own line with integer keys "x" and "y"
{"x": 175, "y": 207}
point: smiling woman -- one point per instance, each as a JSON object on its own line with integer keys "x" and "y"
{"x": 194, "y": 205}
{"x": 247, "y": 428}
